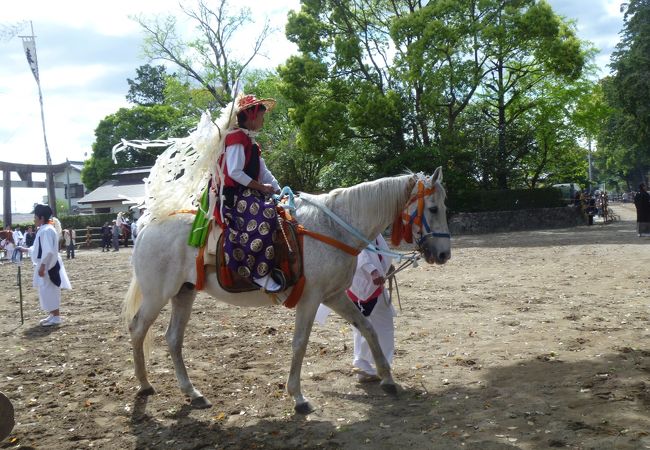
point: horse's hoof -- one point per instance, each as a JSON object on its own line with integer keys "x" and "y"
{"x": 200, "y": 403}
{"x": 145, "y": 392}
{"x": 389, "y": 388}
{"x": 304, "y": 408}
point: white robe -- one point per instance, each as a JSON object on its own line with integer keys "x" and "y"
{"x": 49, "y": 294}
{"x": 382, "y": 315}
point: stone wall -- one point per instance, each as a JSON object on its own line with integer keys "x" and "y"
{"x": 525, "y": 219}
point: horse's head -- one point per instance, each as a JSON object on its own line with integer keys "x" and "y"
{"x": 425, "y": 219}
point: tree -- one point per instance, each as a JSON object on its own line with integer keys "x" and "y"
{"x": 448, "y": 56}
{"x": 140, "y": 122}
{"x": 149, "y": 86}
{"x": 341, "y": 83}
{"x": 527, "y": 44}
{"x": 626, "y": 138}
{"x": 207, "y": 59}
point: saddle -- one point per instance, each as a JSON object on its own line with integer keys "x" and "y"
{"x": 288, "y": 258}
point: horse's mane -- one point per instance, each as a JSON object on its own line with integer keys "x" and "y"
{"x": 378, "y": 200}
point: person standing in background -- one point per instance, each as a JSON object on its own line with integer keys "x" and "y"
{"x": 115, "y": 230}
{"x": 29, "y": 236}
{"x": 49, "y": 274}
{"x": 642, "y": 204}
{"x": 107, "y": 233}
{"x": 70, "y": 237}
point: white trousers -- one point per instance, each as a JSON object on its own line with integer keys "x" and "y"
{"x": 49, "y": 295}
{"x": 381, "y": 319}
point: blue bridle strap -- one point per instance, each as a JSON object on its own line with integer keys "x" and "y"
{"x": 428, "y": 233}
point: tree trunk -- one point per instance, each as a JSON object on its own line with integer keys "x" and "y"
{"x": 502, "y": 171}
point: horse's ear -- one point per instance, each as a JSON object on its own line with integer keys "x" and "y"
{"x": 437, "y": 176}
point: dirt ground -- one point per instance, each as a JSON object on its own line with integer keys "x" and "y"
{"x": 521, "y": 341}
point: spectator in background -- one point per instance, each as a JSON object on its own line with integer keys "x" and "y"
{"x": 18, "y": 237}
{"x": 642, "y": 204}
{"x": 115, "y": 230}
{"x": 134, "y": 230}
{"x": 107, "y": 233}
{"x": 70, "y": 238}
{"x": 29, "y": 236}
{"x": 7, "y": 244}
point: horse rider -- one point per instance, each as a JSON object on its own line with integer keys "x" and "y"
{"x": 250, "y": 220}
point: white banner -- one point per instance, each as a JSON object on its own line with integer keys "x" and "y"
{"x": 30, "y": 52}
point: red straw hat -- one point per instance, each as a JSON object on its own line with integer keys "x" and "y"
{"x": 244, "y": 102}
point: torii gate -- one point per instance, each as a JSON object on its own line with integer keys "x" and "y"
{"x": 25, "y": 172}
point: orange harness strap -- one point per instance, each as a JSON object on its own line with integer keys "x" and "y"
{"x": 328, "y": 240}
{"x": 296, "y": 292}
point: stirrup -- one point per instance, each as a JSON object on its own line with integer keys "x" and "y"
{"x": 278, "y": 276}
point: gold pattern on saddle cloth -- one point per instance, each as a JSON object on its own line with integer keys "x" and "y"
{"x": 290, "y": 263}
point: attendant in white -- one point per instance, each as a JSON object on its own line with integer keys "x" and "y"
{"x": 134, "y": 230}
{"x": 49, "y": 274}
{"x": 18, "y": 237}
{"x": 368, "y": 293}
{"x": 19, "y": 240}
{"x": 9, "y": 247}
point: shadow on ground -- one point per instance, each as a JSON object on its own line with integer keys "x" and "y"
{"x": 541, "y": 403}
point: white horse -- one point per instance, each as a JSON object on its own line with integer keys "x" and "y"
{"x": 164, "y": 268}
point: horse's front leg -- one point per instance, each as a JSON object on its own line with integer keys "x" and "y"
{"x": 305, "y": 313}
{"x": 180, "y": 316}
{"x": 342, "y": 305}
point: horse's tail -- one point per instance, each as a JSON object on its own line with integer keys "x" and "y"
{"x": 130, "y": 308}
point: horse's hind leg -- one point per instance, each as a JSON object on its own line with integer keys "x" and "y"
{"x": 346, "y": 309}
{"x": 140, "y": 324}
{"x": 181, "y": 310}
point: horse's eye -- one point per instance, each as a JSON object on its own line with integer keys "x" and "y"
{"x": 433, "y": 210}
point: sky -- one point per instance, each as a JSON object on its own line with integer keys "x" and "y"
{"x": 86, "y": 51}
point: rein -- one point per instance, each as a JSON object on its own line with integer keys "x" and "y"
{"x": 370, "y": 246}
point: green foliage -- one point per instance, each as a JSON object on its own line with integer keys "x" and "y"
{"x": 149, "y": 86}
{"x": 139, "y": 122}
{"x": 62, "y": 207}
{"x": 79, "y": 222}
{"x": 463, "y": 89}
{"x": 625, "y": 135}
{"x": 504, "y": 200}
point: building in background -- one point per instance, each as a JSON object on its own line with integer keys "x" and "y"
{"x": 124, "y": 190}
{"x": 69, "y": 188}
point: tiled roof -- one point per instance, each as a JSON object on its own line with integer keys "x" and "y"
{"x": 115, "y": 190}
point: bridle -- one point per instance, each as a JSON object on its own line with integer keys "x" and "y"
{"x": 418, "y": 218}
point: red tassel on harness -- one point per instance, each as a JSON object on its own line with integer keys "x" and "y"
{"x": 396, "y": 235}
